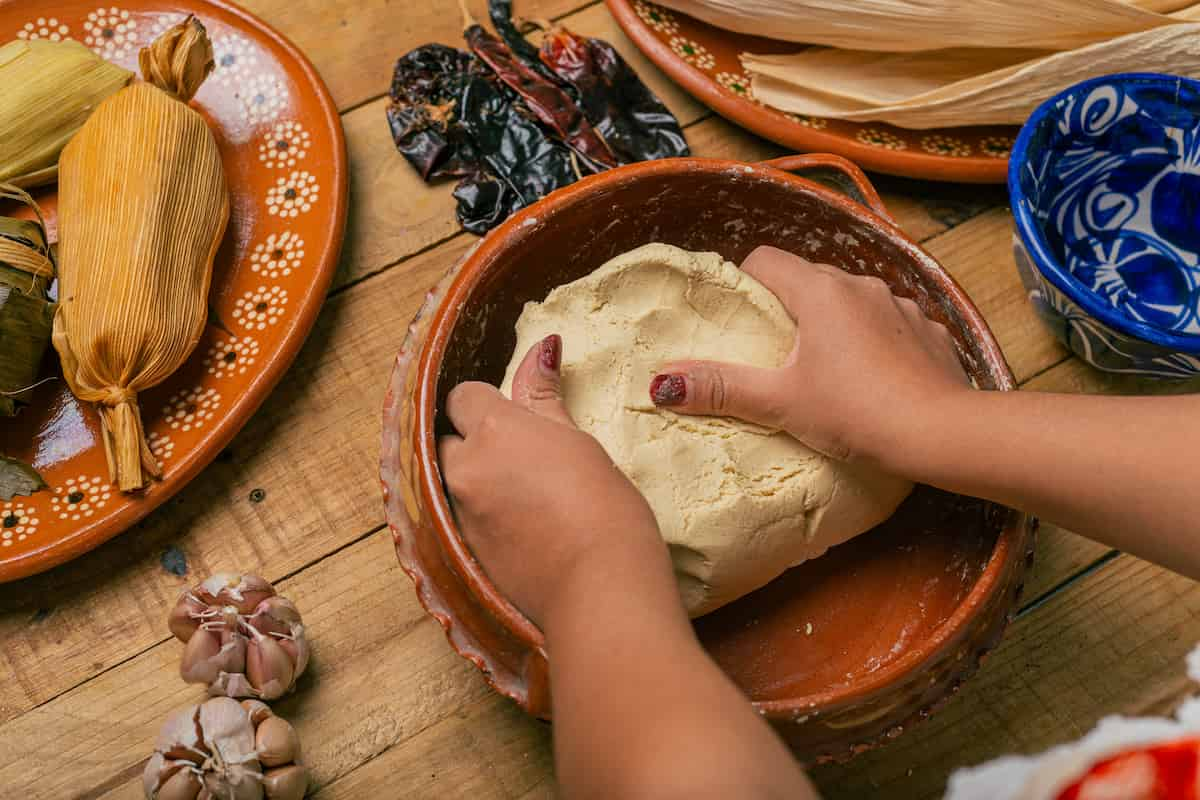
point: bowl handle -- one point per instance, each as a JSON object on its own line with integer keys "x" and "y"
{"x": 837, "y": 173}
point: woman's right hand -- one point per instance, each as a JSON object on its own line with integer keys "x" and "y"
{"x": 867, "y": 366}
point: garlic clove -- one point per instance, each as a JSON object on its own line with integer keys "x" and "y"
{"x": 286, "y": 783}
{"x": 199, "y": 662}
{"x": 178, "y": 739}
{"x": 269, "y": 667}
{"x": 257, "y": 709}
{"x": 232, "y": 684}
{"x": 182, "y": 785}
{"x": 276, "y": 742}
{"x": 185, "y": 617}
{"x": 298, "y": 649}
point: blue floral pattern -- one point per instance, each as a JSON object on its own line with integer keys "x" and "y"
{"x": 1110, "y": 177}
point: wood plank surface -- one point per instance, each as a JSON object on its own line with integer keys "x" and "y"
{"x": 88, "y": 671}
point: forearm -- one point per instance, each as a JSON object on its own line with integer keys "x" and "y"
{"x": 1120, "y": 470}
{"x": 640, "y": 710}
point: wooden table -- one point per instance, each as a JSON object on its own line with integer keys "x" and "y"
{"x": 88, "y": 670}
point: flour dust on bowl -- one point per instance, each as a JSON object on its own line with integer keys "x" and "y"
{"x": 840, "y": 653}
{"x": 1105, "y": 187}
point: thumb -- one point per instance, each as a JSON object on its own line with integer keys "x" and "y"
{"x": 708, "y": 388}
{"x": 537, "y": 384}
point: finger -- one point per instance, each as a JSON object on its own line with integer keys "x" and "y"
{"x": 469, "y": 403}
{"x": 914, "y": 316}
{"x": 537, "y": 384}
{"x": 710, "y": 388}
{"x": 451, "y": 451}
{"x": 782, "y": 272}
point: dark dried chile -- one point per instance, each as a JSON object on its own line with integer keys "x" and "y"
{"x": 630, "y": 117}
{"x": 515, "y": 122}
{"x": 548, "y": 102}
{"x": 426, "y": 88}
{"x": 501, "y": 13}
{"x": 523, "y": 163}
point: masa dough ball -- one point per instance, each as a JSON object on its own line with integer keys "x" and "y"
{"x": 737, "y": 504}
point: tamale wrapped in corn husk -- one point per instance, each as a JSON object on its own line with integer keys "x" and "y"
{"x": 26, "y": 311}
{"x": 847, "y": 85}
{"x": 142, "y": 208}
{"x": 912, "y": 25}
{"x": 47, "y": 92}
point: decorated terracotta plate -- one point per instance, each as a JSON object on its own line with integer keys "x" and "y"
{"x": 704, "y": 60}
{"x": 282, "y": 144}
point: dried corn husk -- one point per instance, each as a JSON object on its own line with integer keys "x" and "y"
{"x": 47, "y": 91}
{"x": 1002, "y": 97}
{"x": 26, "y": 312}
{"x": 911, "y": 25}
{"x": 142, "y": 208}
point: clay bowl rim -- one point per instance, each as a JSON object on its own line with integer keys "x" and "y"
{"x": 524, "y": 223}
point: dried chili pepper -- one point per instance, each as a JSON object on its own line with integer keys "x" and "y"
{"x": 522, "y": 162}
{"x": 633, "y": 121}
{"x": 548, "y": 102}
{"x": 426, "y": 88}
{"x": 501, "y": 13}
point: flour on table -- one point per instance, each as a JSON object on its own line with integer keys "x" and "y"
{"x": 737, "y": 504}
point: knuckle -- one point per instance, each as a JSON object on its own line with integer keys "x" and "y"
{"x": 717, "y": 391}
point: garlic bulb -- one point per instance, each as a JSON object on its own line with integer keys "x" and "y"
{"x": 226, "y": 750}
{"x": 240, "y": 637}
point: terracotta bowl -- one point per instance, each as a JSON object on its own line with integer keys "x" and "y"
{"x": 840, "y": 653}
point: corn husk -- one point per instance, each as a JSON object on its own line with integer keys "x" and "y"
{"x": 143, "y": 205}
{"x": 26, "y": 311}
{"x": 1004, "y": 96}
{"x": 47, "y": 92}
{"x": 912, "y": 25}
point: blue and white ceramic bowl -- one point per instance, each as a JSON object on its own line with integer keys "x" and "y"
{"x": 1105, "y": 187}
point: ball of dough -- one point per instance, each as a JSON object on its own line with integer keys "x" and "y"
{"x": 736, "y": 503}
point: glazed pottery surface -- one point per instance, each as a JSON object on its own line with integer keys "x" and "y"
{"x": 1105, "y": 185}
{"x": 281, "y": 141}
{"x": 840, "y": 653}
{"x": 705, "y": 61}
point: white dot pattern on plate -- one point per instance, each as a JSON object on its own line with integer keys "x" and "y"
{"x": 278, "y": 255}
{"x": 257, "y": 309}
{"x": 48, "y": 28}
{"x": 941, "y": 145}
{"x": 111, "y": 32}
{"x": 18, "y": 521}
{"x": 231, "y": 356}
{"x": 692, "y": 52}
{"x": 656, "y": 17}
{"x": 80, "y": 497}
{"x": 162, "y": 447}
{"x": 284, "y": 145}
{"x": 293, "y": 195}
{"x": 262, "y": 97}
{"x": 236, "y": 59}
{"x": 189, "y": 409}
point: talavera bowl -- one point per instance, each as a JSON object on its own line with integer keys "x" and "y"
{"x": 841, "y": 653}
{"x": 1105, "y": 187}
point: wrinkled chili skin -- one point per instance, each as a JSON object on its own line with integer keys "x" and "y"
{"x": 426, "y": 86}
{"x": 630, "y": 117}
{"x": 501, "y": 13}
{"x": 548, "y": 102}
{"x": 522, "y": 161}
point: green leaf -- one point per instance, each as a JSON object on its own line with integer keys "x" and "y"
{"x": 16, "y": 478}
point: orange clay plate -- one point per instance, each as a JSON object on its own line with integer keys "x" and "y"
{"x": 282, "y": 144}
{"x": 705, "y": 61}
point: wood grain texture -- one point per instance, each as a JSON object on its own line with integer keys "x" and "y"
{"x": 353, "y": 43}
{"x": 87, "y": 672}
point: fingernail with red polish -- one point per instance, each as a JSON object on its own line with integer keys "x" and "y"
{"x": 668, "y": 390}
{"x": 550, "y": 352}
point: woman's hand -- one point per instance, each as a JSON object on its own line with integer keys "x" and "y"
{"x": 865, "y": 368}
{"x": 537, "y": 499}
